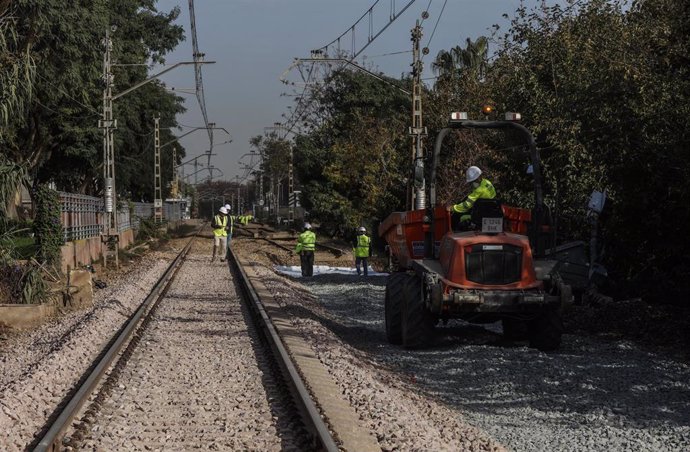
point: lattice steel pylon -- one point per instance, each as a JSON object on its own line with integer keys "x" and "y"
{"x": 417, "y": 131}
{"x": 158, "y": 189}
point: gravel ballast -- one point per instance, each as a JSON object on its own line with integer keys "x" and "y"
{"x": 592, "y": 394}
{"x": 39, "y": 368}
{"x": 194, "y": 381}
{"x": 386, "y": 402}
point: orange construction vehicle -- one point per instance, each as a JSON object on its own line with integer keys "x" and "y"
{"x": 501, "y": 269}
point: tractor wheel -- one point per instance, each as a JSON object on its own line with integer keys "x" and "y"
{"x": 514, "y": 329}
{"x": 418, "y": 323}
{"x": 546, "y": 329}
{"x": 393, "y": 307}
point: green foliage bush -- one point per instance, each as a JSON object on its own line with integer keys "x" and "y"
{"x": 47, "y": 226}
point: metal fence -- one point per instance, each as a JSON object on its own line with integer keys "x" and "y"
{"x": 173, "y": 211}
{"x": 142, "y": 210}
{"x": 81, "y": 216}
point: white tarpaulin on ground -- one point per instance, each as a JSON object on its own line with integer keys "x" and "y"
{"x": 296, "y": 271}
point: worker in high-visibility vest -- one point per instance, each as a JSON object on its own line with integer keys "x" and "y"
{"x": 361, "y": 247}
{"x": 482, "y": 189}
{"x": 306, "y": 244}
{"x": 220, "y": 233}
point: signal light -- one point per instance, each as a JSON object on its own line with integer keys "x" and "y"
{"x": 487, "y": 109}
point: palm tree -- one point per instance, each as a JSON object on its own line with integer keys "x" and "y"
{"x": 473, "y": 59}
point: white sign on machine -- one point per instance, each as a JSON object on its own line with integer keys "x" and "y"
{"x": 492, "y": 225}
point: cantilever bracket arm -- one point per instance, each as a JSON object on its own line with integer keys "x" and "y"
{"x": 155, "y": 76}
{"x": 356, "y": 66}
{"x": 193, "y": 130}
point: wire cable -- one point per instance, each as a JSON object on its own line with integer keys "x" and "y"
{"x": 93, "y": 110}
{"x": 438, "y": 19}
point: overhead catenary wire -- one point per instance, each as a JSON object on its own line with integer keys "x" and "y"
{"x": 394, "y": 13}
{"x": 198, "y": 58}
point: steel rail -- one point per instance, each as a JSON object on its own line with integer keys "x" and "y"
{"x": 301, "y": 394}
{"x": 51, "y": 439}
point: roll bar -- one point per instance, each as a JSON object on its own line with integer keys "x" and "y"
{"x": 534, "y": 157}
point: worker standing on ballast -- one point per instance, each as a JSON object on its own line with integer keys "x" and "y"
{"x": 306, "y": 244}
{"x": 361, "y": 247}
{"x": 482, "y": 189}
{"x": 220, "y": 233}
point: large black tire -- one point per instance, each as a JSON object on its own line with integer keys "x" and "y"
{"x": 393, "y": 307}
{"x": 546, "y": 329}
{"x": 418, "y": 323}
{"x": 514, "y": 329}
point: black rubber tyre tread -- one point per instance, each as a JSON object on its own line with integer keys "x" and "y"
{"x": 418, "y": 324}
{"x": 393, "y": 306}
{"x": 546, "y": 329}
{"x": 515, "y": 330}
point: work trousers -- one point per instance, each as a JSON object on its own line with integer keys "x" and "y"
{"x": 220, "y": 244}
{"x": 306, "y": 259}
{"x": 362, "y": 261}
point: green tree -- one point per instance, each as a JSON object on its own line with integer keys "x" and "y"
{"x": 354, "y": 165}
{"x": 57, "y": 138}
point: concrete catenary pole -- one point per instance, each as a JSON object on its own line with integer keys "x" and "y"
{"x": 108, "y": 124}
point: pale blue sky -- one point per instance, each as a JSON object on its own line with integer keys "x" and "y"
{"x": 254, "y": 41}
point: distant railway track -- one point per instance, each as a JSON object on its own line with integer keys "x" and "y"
{"x": 261, "y": 231}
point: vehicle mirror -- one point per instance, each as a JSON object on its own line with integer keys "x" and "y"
{"x": 597, "y": 201}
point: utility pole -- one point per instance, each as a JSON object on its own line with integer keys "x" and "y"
{"x": 417, "y": 131}
{"x": 158, "y": 189}
{"x": 110, "y": 235}
{"x": 174, "y": 190}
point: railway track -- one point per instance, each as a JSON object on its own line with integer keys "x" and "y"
{"x": 157, "y": 384}
{"x": 274, "y": 237}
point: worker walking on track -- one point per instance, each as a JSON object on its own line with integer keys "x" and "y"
{"x": 220, "y": 234}
{"x": 306, "y": 244}
{"x": 482, "y": 189}
{"x": 361, "y": 247}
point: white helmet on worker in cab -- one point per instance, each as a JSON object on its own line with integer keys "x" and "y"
{"x": 472, "y": 174}
{"x": 307, "y": 226}
{"x": 361, "y": 229}
{"x": 223, "y": 210}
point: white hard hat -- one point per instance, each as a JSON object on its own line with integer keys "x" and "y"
{"x": 223, "y": 210}
{"x": 361, "y": 229}
{"x": 472, "y": 174}
{"x": 228, "y": 207}
{"x": 307, "y": 226}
